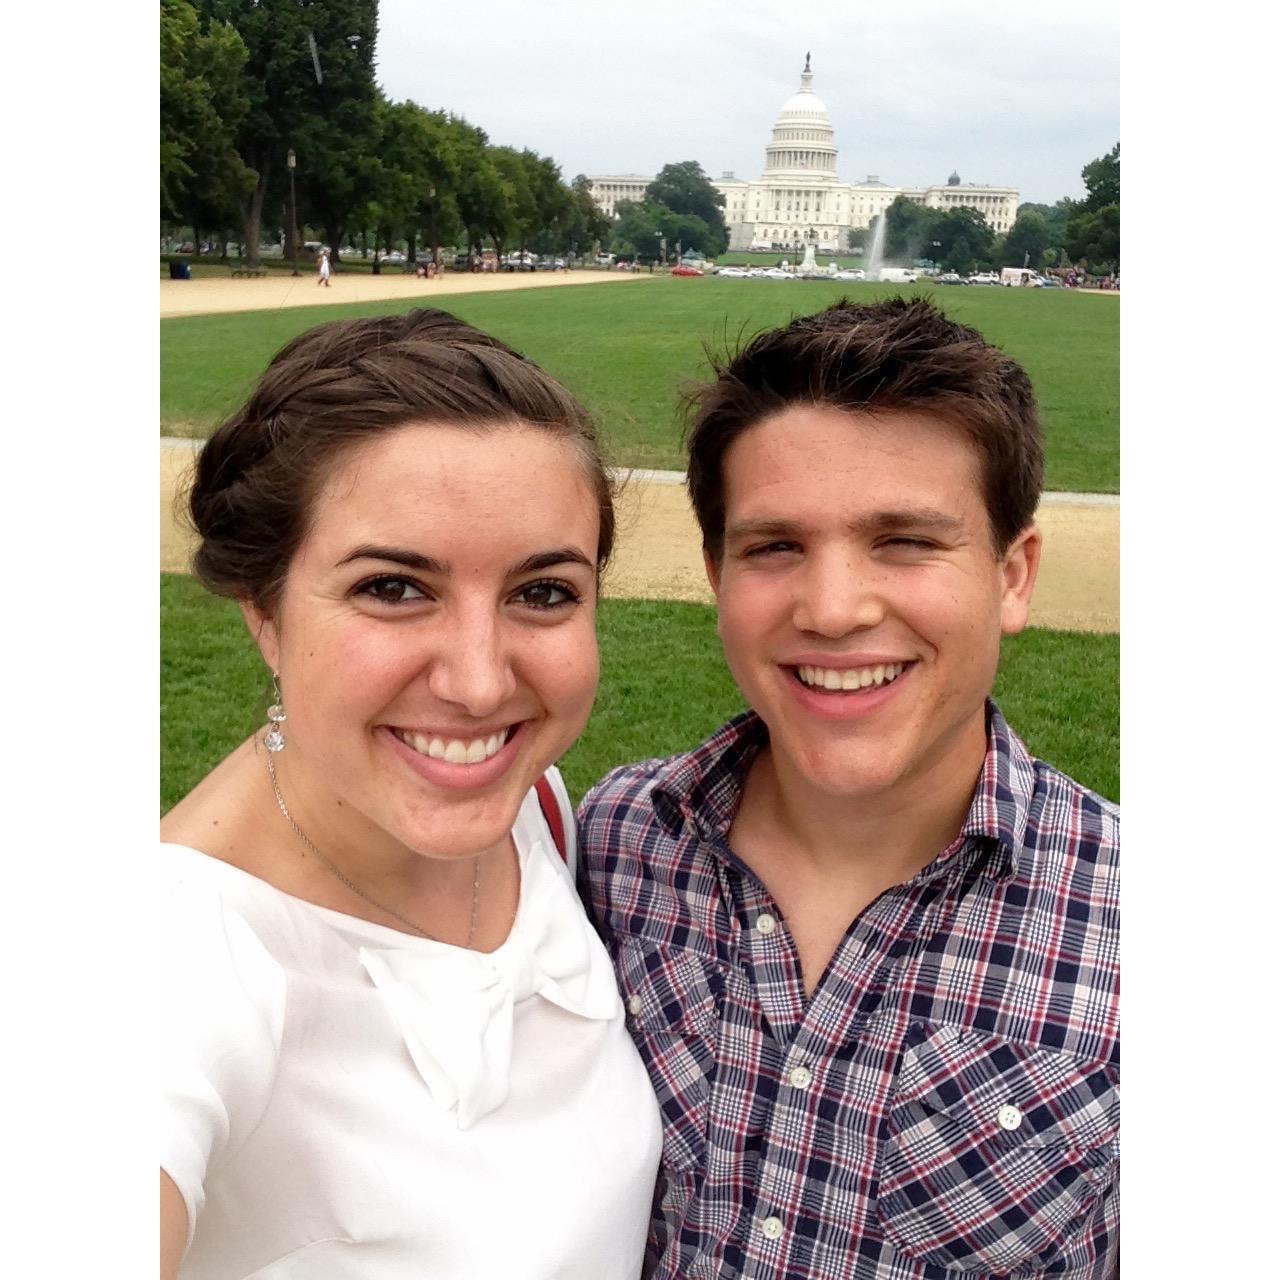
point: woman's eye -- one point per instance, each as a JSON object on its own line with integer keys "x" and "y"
{"x": 389, "y": 590}
{"x": 546, "y": 595}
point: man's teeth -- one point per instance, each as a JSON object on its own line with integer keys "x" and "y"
{"x": 852, "y": 678}
{"x": 453, "y": 750}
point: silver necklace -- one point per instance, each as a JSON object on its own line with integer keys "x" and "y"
{"x": 355, "y": 888}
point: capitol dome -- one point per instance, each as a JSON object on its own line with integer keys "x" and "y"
{"x": 803, "y": 141}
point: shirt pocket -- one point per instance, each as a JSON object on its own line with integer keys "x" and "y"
{"x": 994, "y": 1151}
{"x": 672, "y": 1011}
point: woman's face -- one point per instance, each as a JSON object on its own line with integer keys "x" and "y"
{"x": 435, "y": 638}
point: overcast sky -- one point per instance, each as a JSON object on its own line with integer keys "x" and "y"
{"x": 1004, "y": 91}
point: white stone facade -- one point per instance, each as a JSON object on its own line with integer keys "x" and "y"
{"x": 799, "y": 198}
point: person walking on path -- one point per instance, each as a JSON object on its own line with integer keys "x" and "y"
{"x": 323, "y": 263}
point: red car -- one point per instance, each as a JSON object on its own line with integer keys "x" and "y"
{"x": 685, "y": 271}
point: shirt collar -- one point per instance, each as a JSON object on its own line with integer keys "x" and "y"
{"x": 703, "y": 787}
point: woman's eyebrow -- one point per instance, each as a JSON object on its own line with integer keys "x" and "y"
{"x": 427, "y": 564}
{"x": 396, "y": 555}
{"x": 546, "y": 559}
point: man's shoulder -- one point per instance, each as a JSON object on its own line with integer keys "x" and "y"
{"x": 1063, "y": 811}
{"x": 624, "y": 796}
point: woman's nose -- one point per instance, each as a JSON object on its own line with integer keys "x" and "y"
{"x": 471, "y": 666}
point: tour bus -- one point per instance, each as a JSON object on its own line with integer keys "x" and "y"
{"x": 1012, "y": 277}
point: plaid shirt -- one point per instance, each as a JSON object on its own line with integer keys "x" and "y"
{"x": 946, "y": 1102}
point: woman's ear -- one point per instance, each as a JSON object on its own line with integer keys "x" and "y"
{"x": 265, "y": 633}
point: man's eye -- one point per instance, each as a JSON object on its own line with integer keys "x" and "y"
{"x": 390, "y": 590}
{"x": 922, "y": 544}
{"x": 547, "y": 594}
{"x": 769, "y": 549}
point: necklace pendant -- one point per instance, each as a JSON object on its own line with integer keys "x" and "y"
{"x": 274, "y": 740}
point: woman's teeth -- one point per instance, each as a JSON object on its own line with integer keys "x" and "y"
{"x": 851, "y": 678}
{"x": 453, "y": 750}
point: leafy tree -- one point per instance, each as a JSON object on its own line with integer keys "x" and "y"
{"x": 329, "y": 124}
{"x": 967, "y": 225}
{"x": 585, "y": 223}
{"x": 1093, "y": 231}
{"x": 1102, "y": 181}
{"x": 638, "y": 228}
{"x": 685, "y": 189}
{"x": 1027, "y": 240}
{"x": 1094, "y": 238}
{"x": 202, "y": 102}
{"x": 959, "y": 257}
{"x": 909, "y": 230}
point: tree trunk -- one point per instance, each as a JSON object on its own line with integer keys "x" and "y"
{"x": 252, "y": 214}
{"x": 411, "y": 255}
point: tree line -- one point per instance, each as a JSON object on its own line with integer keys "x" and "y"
{"x": 1083, "y": 233}
{"x": 245, "y": 82}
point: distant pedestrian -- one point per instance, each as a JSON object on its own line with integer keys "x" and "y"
{"x": 323, "y": 264}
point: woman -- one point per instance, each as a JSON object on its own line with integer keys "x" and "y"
{"x": 393, "y": 1045}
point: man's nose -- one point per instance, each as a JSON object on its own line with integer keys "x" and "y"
{"x": 838, "y": 594}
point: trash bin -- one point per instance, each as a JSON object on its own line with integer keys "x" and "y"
{"x": 179, "y": 271}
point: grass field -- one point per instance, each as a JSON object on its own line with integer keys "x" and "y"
{"x": 626, "y": 351}
{"x": 664, "y": 687}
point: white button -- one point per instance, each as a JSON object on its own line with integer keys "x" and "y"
{"x": 800, "y": 1077}
{"x": 635, "y": 1004}
{"x": 771, "y": 1228}
{"x": 766, "y": 924}
{"x": 1008, "y": 1117}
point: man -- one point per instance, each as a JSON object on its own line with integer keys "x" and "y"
{"x": 868, "y": 945}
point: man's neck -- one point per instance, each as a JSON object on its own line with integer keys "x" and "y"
{"x": 890, "y": 834}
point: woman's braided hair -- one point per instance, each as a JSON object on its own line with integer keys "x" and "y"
{"x": 335, "y": 387}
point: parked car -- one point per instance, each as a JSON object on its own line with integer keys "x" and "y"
{"x": 950, "y": 277}
{"x": 984, "y": 277}
{"x": 394, "y": 259}
{"x": 777, "y": 273}
{"x": 852, "y": 273}
{"x": 899, "y": 275}
{"x": 734, "y": 273}
{"x": 682, "y": 270}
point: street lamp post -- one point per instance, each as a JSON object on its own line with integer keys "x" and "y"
{"x": 292, "y": 161}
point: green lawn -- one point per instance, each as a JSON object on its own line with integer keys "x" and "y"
{"x": 626, "y": 349}
{"x": 664, "y": 687}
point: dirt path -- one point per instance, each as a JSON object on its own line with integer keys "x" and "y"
{"x": 658, "y": 556}
{"x": 274, "y": 292}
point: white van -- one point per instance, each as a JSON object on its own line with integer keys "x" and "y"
{"x": 1016, "y": 277}
{"x": 898, "y": 275}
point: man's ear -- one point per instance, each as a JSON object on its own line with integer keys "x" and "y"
{"x": 1018, "y": 568}
{"x": 265, "y": 633}
{"x": 713, "y": 572}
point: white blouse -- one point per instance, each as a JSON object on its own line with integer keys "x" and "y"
{"x": 344, "y": 1100}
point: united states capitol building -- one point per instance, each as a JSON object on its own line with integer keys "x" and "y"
{"x": 799, "y": 199}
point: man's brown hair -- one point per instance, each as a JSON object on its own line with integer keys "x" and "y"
{"x": 895, "y": 355}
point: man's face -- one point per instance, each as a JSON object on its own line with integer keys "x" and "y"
{"x": 858, "y": 552}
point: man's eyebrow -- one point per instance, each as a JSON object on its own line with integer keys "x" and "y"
{"x": 763, "y": 529}
{"x": 921, "y": 518}
{"x": 911, "y": 517}
{"x": 427, "y": 564}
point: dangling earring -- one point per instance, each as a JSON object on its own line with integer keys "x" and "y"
{"x": 274, "y": 741}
